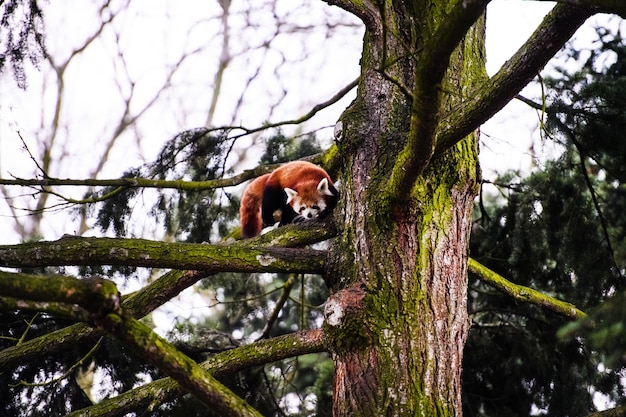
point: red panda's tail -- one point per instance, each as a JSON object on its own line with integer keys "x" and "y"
{"x": 250, "y": 209}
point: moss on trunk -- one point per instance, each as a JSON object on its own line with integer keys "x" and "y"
{"x": 397, "y": 323}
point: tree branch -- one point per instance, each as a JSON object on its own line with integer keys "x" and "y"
{"x": 619, "y": 411}
{"x": 139, "y": 304}
{"x": 608, "y": 6}
{"x": 367, "y": 11}
{"x": 284, "y": 295}
{"x": 101, "y": 298}
{"x": 425, "y": 108}
{"x": 297, "y": 235}
{"x": 563, "y": 128}
{"x": 96, "y": 295}
{"x": 146, "y": 253}
{"x": 67, "y": 311}
{"x": 327, "y": 159}
{"x": 136, "y": 182}
{"x": 177, "y": 365}
{"x": 524, "y": 294}
{"x": 556, "y": 29}
{"x": 317, "y": 108}
{"x": 221, "y": 364}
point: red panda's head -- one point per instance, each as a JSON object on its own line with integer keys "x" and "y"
{"x": 310, "y": 200}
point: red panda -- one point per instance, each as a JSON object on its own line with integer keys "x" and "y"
{"x": 299, "y": 189}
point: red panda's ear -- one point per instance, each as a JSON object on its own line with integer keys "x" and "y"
{"x": 291, "y": 194}
{"x": 322, "y": 187}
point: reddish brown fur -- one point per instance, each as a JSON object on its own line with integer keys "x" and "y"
{"x": 298, "y": 175}
{"x": 301, "y": 176}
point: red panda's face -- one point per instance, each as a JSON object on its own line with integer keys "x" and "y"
{"x": 307, "y": 209}
{"x": 308, "y": 204}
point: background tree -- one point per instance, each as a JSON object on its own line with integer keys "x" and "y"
{"x": 557, "y": 231}
{"x": 396, "y": 320}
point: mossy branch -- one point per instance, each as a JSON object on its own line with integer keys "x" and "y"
{"x": 221, "y": 364}
{"x": 101, "y": 298}
{"x": 96, "y": 295}
{"x": 296, "y": 235}
{"x": 139, "y": 304}
{"x": 524, "y": 294}
{"x": 555, "y": 30}
{"x": 182, "y": 185}
{"x": 180, "y": 367}
{"x": 425, "y": 113}
{"x": 147, "y": 253}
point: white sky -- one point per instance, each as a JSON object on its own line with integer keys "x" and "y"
{"x": 154, "y": 33}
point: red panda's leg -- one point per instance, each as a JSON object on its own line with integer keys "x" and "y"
{"x": 274, "y": 198}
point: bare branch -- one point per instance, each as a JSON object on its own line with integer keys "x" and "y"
{"x": 284, "y": 296}
{"x": 71, "y": 369}
{"x": 317, "y": 108}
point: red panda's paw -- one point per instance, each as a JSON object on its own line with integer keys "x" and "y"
{"x": 299, "y": 219}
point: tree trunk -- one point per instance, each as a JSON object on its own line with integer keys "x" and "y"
{"x": 397, "y": 321}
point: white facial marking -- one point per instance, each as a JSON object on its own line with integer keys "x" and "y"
{"x": 305, "y": 211}
{"x": 309, "y": 212}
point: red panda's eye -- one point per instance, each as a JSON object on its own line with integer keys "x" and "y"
{"x": 315, "y": 207}
{"x": 302, "y": 209}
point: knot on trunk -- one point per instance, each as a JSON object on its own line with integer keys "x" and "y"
{"x": 344, "y": 315}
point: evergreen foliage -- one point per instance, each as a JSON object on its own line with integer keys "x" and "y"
{"x": 22, "y": 34}
{"x": 561, "y": 231}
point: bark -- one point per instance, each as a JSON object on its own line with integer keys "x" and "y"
{"x": 397, "y": 322}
